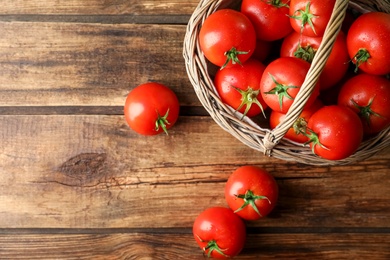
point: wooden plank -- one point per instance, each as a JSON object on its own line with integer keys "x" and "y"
{"x": 96, "y": 7}
{"x": 70, "y": 64}
{"x": 180, "y": 246}
{"x": 89, "y": 171}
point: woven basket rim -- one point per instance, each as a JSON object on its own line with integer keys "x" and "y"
{"x": 271, "y": 142}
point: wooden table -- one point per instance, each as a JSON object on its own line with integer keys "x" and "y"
{"x": 77, "y": 183}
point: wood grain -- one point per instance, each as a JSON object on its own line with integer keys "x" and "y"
{"x": 98, "y": 7}
{"x": 154, "y": 246}
{"x": 70, "y": 64}
{"x": 94, "y": 172}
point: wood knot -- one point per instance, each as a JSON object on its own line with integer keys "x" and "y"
{"x": 83, "y": 169}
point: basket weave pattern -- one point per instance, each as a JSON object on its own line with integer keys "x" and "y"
{"x": 267, "y": 141}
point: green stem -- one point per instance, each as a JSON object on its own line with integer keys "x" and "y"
{"x": 365, "y": 112}
{"x": 248, "y": 98}
{"x": 211, "y": 246}
{"x": 250, "y": 199}
{"x": 280, "y": 90}
{"x": 232, "y": 55}
{"x": 162, "y": 122}
{"x": 305, "y": 53}
{"x": 306, "y": 17}
{"x": 360, "y": 57}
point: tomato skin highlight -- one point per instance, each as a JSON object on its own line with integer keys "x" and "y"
{"x": 371, "y": 32}
{"x": 242, "y": 77}
{"x": 256, "y": 180}
{"x": 369, "y": 96}
{"x": 223, "y": 30}
{"x": 146, "y": 103}
{"x": 270, "y": 22}
{"x": 222, "y": 227}
{"x": 289, "y": 72}
{"x": 339, "y": 131}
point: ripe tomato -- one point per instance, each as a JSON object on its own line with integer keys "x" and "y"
{"x": 305, "y": 48}
{"x": 281, "y": 82}
{"x": 251, "y": 192}
{"x": 294, "y": 133}
{"x": 368, "y": 42}
{"x": 227, "y": 37}
{"x": 369, "y": 96}
{"x": 219, "y": 232}
{"x": 151, "y": 108}
{"x": 310, "y": 17}
{"x": 239, "y": 87}
{"x": 335, "y": 132}
{"x": 270, "y": 18}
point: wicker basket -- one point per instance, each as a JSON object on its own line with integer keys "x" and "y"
{"x": 271, "y": 142}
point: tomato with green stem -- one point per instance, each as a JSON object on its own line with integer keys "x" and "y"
{"x": 239, "y": 87}
{"x": 269, "y": 17}
{"x": 227, "y": 37}
{"x": 369, "y": 96}
{"x": 310, "y": 17}
{"x": 335, "y": 132}
{"x": 151, "y": 108}
{"x": 304, "y": 47}
{"x": 281, "y": 82}
{"x": 368, "y": 42}
{"x": 295, "y": 132}
{"x": 251, "y": 192}
{"x": 219, "y": 232}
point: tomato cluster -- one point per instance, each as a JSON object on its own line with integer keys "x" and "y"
{"x": 251, "y": 193}
{"x": 264, "y": 52}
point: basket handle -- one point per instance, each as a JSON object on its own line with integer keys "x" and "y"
{"x": 272, "y": 138}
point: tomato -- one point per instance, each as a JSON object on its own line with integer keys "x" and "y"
{"x": 239, "y": 87}
{"x": 310, "y": 17}
{"x": 281, "y": 82}
{"x": 269, "y": 17}
{"x": 369, "y": 96}
{"x": 227, "y": 37}
{"x": 305, "y": 47}
{"x": 335, "y": 132}
{"x": 368, "y": 43}
{"x": 251, "y": 192}
{"x": 294, "y": 133}
{"x": 219, "y": 232}
{"x": 151, "y": 108}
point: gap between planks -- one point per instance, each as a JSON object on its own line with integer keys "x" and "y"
{"x": 86, "y": 110}
{"x": 103, "y": 19}
{"x": 250, "y": 230}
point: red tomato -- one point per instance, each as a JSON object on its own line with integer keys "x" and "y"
{"x": 270, "y": 18}
{"x": 368, "y": 42}
{"x": 251, "y": 192}
{"x": 305, "y": 48}
{"x": 294, "y": 133}
{"x": 239, "y": 87}
{"x": 369, "y": 96}
{"x": 310, "y": 17}
{"x": 227, "y": 37}
{"x": 219, "y": 232}
{"x": 281, "y": 82}
{"x": 151, "y": 108}
{"x": 335, "y": 132}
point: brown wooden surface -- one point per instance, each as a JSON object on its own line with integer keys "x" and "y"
{"x": 77, "y": 183}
